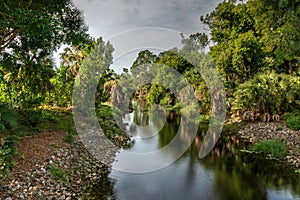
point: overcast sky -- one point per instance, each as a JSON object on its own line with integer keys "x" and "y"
{"x": 134, "y": 25}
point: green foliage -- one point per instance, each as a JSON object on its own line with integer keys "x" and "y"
{"x": 203, "y": 119}
{"x": 69, "y": 138}
{"x": 277, "y": 25}
{"x": 231, "y": 128}
{"x": 38, "y": 120}
{"x": 8, "y": 118}
{"x": 252, "y": 36}
{"x": 64, "y": 78}
{"x": 271, "y": 148}
{"x": 29, "y": 35}
{"x": 144, "y": 58}
{"x": 293, "y": 122}
{"x": 30, "y": 117}
{"x": 173, "y": 59}
{"x": 269, "y": 92}
{"x": 156, "y": 94}
{"x": 94, "y": 72}
{"x": 237, "y": 53}
{"x": 7, "y": 152}
{"x": 106, "y": 120}
{"x": 59, "y": 173}
{"x": 38, "y": 27}
{"x": 287, "y": 115}
{"x": 105, "y": 112}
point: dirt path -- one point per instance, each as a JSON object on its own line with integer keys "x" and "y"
{"x": 34, "y": 150}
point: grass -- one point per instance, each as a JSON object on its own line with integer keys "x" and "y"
{"x": 292, "y": 120}
{"x": 55, "y": 145}
{"x": 32, "y": 121}
{"x": 270, "y": 148}
{"x": 58, "y": 173}
{"x": 69, "y": 138}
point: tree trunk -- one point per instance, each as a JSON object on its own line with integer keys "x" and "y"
{"x": 290, "y": 67}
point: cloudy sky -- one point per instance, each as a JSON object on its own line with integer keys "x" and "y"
{"x": 134, "y": 25}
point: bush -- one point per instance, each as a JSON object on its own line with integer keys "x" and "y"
{"x": 293, "y": 122}
{"x": 295, "y": 113}
{"x": 30, "y": 117}
{"x": 69, "y": 138}
{"x": 7, "y": 151}
{"x": 271, "y": 148}
{"x": 8, "y": 118}
{"x": 269, "y": 92}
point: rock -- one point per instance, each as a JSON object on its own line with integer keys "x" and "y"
{"x": 40, "y": 184}
{"x": 254, "y": 132}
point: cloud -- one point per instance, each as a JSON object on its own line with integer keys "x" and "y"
{"x": 108, "y": 18}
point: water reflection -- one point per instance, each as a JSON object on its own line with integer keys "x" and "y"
{"x": 225, "y": 173}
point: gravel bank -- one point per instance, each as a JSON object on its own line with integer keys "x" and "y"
{"x": 73, "y": 171}
{"x": 254, "y": 132}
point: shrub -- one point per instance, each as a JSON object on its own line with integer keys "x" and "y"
{"x": 294, "y": 113}
{"x": 271, "y": 148}
{"x": 293, "y": 122}
{"x": 31, "y": 117}
{"x": 7, "y": 151}
{"x": 8, "y": 118}
{"x": 270, "y": 92}
{"x": 69, "y": 138}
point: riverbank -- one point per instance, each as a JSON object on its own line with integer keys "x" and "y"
{"x": 50, "y": 168}
{"x": 256, "y": 131}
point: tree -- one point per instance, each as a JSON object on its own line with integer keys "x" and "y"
{"x": 174, "y": 59}
{"x": 145, "y": 57}
{"x": 237, "y": 52}
{"x": 43, "y": 24}
{"x": 253, "y": 36}
{"x": 277, "y": 24}
{"x": 94, "y": 72}
{"x": 30, "y": 31}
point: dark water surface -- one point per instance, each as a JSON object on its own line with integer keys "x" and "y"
{"x": 226, "y": 173}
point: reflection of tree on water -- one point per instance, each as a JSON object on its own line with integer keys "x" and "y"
{"x": 237, "y": 176}
{"x": 141, "y": 118}
{"x": 226, "y": 173}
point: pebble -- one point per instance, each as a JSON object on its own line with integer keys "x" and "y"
{"x": 254, "y": 132}
{"x": 81, "y": 168}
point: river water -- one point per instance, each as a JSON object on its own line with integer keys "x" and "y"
{"x": 226, "y": 173}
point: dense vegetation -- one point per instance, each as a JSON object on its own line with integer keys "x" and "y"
{"x": 255, "y": 47}
{"x": 254, "y": 44}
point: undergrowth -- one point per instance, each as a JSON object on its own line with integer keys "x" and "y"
{"x": 270, "y": 148}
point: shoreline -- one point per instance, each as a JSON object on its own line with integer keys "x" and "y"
{"x": 67, "y": 173}
{"x": 80, "y": 170}
{"x": 253, "y": 132}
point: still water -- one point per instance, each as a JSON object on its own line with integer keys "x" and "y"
{"x": 226, "y": 173}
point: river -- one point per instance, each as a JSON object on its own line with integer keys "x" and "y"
{"x": 226, "y": 173}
